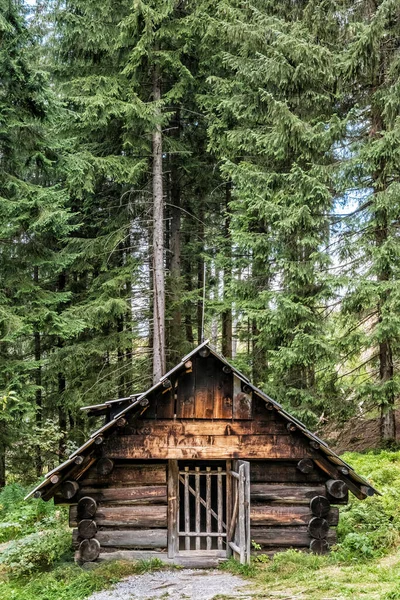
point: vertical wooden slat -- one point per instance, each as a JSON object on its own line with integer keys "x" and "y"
{"x": 185, "y": 396}
{"x": 173, "y": 508}
{"x": 197, "y": 497}
{"x": 187, "y": 515}
{"x": 242, "y": 403}
{"x": 247, "y": 509}
{"x": 220, "y": 507}
{"x": 204, "y": 374}
{"x": 208, "y": 506}
{"x": 229, "y": 500}
{"x": 166, "y": 404}
{"x": 242, "y": 522}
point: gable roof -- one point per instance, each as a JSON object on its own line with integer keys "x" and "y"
{"x": 349, "y": 475}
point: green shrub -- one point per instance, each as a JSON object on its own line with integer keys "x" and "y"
{"x": 34, "y": 552}
{"x": 19, "y": 517}
{"x": 371, "y": 528}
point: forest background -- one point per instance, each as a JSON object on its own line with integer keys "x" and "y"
{"x": 154, "y": 150}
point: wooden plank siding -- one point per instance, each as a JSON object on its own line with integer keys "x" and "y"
{"x": 203, "y": 392}
{"x": 206, "y": 447}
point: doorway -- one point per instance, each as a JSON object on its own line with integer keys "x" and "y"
{"x": 209, "y": 509}
{"x": 202, "y": 506}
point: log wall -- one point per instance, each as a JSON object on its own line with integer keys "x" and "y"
{"x": 291, "y": 508}
{"x": 129, "y": 508}
{"x": 126, "y": 508}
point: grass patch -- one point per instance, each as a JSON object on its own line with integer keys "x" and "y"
{"x": 68, "y": 581}
{"x": 297, "y": 575}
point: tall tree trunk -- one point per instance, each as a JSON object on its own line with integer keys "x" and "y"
{"x": 386, "y": 369}
{"x": 158, "y": 241}
{"x": 227, "y": 312}
{"x": 38, "y": 383}
{"x": 259, "y": 353}
{"x": 62, "y": 417}
{"x": 200, "y": 279}
{"x": 62, "y": 413}
{"x": 187, "y": 264}
{"x": 175, "y": 328}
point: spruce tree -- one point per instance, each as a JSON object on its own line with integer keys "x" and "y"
{"x": 273, "y": 123}
{"x": 370, "y": 332}
{"x": 34, "y": 219}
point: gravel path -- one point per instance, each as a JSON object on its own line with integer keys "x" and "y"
{"x": 185, "y": 584}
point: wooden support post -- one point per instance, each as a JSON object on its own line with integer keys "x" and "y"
{"x": 229, "y": 500}
{"x": 220, "y": 507}
{"x": 187, "y": 514}
{"x": 173, "y": 508}
{"x": 208, "y": 502}
{"x": 247, "y": 509}
{"x": 197, "y": 509}
{"x": 242, "y": 523}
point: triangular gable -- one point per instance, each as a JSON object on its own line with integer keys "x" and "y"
{"x": 357, "y": 484}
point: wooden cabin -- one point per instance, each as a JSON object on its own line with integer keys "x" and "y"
{"x": 200, "y": 467}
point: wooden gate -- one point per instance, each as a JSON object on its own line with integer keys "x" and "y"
{"x": 209, "y": 509}
{"x": 238, "y": 534}
{"x": 202, "y": 501}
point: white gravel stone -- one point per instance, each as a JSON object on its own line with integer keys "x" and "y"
{"x": 184, "y": 584}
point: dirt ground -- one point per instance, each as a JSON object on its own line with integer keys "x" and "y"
{"x": 179, "y": 584}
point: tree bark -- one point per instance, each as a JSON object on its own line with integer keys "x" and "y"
{"x": 176, "y": 334}
{"x": 62, "y": 413}
{"x": 38, "y": 383}
{"x": 200, "y": 278}
{"x": 62, "y": 417}
{"x": 386, "y": 369}
{"x": 159, "y": 365}
{"x": 227, "y": 312}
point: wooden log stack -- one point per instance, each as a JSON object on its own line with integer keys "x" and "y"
{"x": 291, "y": 506}
{"x": 119, "y": 507}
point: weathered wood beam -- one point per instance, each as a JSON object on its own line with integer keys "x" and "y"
{"x": 209, "y": 447}
{"x": 285, "y": 494}
{"x": 286, "y": 536}
{"x": 287, "y": 516}
{"x": 126, "y": 516}
{"x": 269, "y": 471}
{"x": 132, "y": 538}
{"x": 123, "y": 474}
